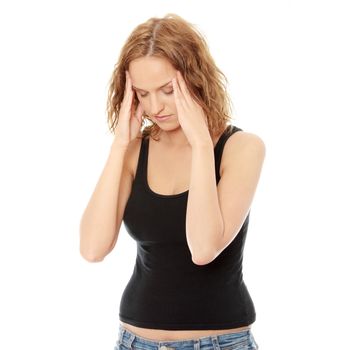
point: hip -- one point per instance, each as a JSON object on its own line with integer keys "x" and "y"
{"x": 171, "y": 335}
{"x": 223, "y": 339}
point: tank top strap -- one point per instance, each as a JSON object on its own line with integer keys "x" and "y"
{"x": 141, "y": 164}
{"x": 219, "y": 148}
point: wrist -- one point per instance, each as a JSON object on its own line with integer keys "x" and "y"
{"x": 119, "y": 145}
{"x": 203, "y": 143}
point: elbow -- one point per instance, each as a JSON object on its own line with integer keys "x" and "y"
{"x": 202, "y": 259}
{"x": 89, "y": 251}
{"x": 206, "y": 254}
{"x": 92, "y": 258}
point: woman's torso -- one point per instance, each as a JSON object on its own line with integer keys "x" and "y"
{"x": 168, "y": 335}
{"x": 169, "y": 175}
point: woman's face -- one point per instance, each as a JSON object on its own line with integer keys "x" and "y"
{"x": 151, "y": 80}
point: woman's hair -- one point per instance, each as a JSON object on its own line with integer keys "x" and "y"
{"x": 185, "y": 48}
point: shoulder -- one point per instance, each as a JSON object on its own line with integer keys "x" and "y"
{"x": 242, "y": 139}
{"x": 132, "y": 155}
{"x": 242, "y": 145}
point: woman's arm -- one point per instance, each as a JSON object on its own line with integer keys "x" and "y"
{"x": 98, "y": 225}
{"x": 204, "y": 222}
{"x": 215, "y": 214}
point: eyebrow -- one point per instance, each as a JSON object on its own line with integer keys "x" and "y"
{"x": 157, "y": 89}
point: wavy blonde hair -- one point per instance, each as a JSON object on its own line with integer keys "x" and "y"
{"x": 178, "y": 41}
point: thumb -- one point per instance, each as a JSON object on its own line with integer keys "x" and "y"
{"x": 139, "y": 112}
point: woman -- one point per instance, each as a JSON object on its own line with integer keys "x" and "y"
{"x": 183, "y": 187}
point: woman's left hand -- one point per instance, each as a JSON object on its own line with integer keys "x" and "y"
{"x": 190, "y": 114}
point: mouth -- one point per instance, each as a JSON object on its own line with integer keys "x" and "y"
{"x": 163, "y": 117}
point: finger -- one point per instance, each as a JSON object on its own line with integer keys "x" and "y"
{"x": 139, "y": 112}
{"x": 183, "y": 87}
{"x": 132, "y": 108}
{"x": 128, "y": 90}
{"x": 177, "y": 94}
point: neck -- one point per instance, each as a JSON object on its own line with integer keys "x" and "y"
{"x": 174, "y": 138}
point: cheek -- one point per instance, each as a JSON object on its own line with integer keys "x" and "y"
{"x": 171, "y": 103}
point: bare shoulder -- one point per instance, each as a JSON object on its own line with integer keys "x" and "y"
{"x": 132, "y": 155}
{"x": 244, "y": 139}
{"x": 242, "y": 142}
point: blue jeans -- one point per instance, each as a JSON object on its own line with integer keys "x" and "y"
{"x": 243, "y": 340}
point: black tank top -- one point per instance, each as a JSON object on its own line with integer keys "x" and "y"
{"x": 167, "y": 290}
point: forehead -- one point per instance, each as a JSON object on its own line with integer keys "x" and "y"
{"x": 150, "y": 73}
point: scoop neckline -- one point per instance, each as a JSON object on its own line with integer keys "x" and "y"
{"x": 181, "y": 194}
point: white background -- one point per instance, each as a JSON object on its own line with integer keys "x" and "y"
{"x": 288, "y": 67}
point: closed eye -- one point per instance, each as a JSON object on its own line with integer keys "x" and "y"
{"x": 167, "y": 93}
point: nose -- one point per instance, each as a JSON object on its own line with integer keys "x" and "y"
{"x": 156, "y": 106}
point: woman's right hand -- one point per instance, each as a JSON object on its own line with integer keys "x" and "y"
{"x": 129, "y": 120}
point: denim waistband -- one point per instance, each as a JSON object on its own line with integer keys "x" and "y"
{"x": 131, "y": 340}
